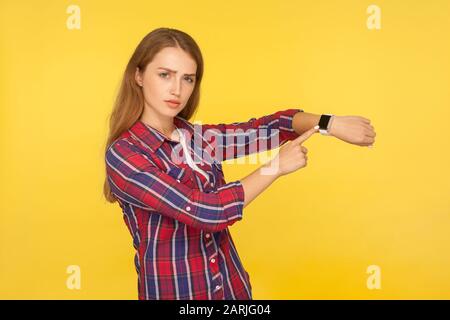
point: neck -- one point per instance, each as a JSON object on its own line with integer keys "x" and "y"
{"x": 164, "y": 125}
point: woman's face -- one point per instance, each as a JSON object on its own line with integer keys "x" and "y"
{"x": 170, "y": 76}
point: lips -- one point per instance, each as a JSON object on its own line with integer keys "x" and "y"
{"x": 172, "y": 103}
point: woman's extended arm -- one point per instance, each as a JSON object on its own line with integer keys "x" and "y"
{"x": 303, "y": 121}
{"x": 292, "y": 156}
{"x": 239, "y": 139}
{"x": 352, "y": 129}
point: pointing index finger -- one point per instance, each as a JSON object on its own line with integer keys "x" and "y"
{"x": 306, "y": 135}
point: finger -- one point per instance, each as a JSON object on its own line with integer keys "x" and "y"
{"x": 370, "y": 134}
{"x": 368, "y": 141}
{"x": 304, "y": 149}
{"x": 365, "y": 120}
{"x": 305, "y": 135}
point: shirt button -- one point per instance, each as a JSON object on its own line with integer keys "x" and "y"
{"x": 213, "y": 260}
{"x": 212, "y": 184}
{"x": 178, "y": 180}
{"x": 208, "y": 235}
{"x": 218, "y": 287}
{"x": 188, "y": 208}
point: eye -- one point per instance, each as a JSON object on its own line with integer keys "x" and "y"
{"x": 190, "y": 79}
{"x": 163, "y": 73}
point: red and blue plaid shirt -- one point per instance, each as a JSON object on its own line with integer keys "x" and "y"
{"x": 179, "y": 219}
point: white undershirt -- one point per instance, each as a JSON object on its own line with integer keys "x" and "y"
{"x": 187, "y": 154}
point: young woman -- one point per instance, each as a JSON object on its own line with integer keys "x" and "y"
{"x": 166, "y": 173}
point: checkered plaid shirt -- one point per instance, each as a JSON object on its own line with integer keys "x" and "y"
{"x": 177, "y": 218}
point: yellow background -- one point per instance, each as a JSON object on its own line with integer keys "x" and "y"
{"x": 313, "y": 233}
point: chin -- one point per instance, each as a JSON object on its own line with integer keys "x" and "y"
{"x": 170, "y": 112}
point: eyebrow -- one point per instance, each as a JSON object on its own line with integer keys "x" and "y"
{"x": 191, "y": 74}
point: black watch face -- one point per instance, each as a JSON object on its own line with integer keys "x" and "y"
{"x": 323, "y": 122}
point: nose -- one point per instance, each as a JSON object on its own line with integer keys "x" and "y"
{"x": 176, "y": 87}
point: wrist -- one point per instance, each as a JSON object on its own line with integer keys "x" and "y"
{"x": 330, "y": 125}
{"x": 271, "y": 168}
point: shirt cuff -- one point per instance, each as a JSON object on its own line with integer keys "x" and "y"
{"x": 287, "y": 131}
{"x": 234, "y": 205}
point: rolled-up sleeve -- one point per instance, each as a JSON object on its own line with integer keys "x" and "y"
{"x": 239, "y": 139}
{"x": 135, "y": 179}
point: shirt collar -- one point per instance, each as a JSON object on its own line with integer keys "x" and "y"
{"x": 152, "y": 137}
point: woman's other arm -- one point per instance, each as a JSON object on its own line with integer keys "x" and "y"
{"x": 291, "y": 157}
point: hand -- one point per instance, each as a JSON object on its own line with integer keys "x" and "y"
{"x": 292, "y": 156}
{"x": 353, "y": 129}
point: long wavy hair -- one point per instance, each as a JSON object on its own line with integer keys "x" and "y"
{"x": 129, "y": 104}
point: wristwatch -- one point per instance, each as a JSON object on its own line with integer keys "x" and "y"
{"x": 325, "y": 123}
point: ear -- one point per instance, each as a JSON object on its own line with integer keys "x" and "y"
{"x": 138, "y": 77}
